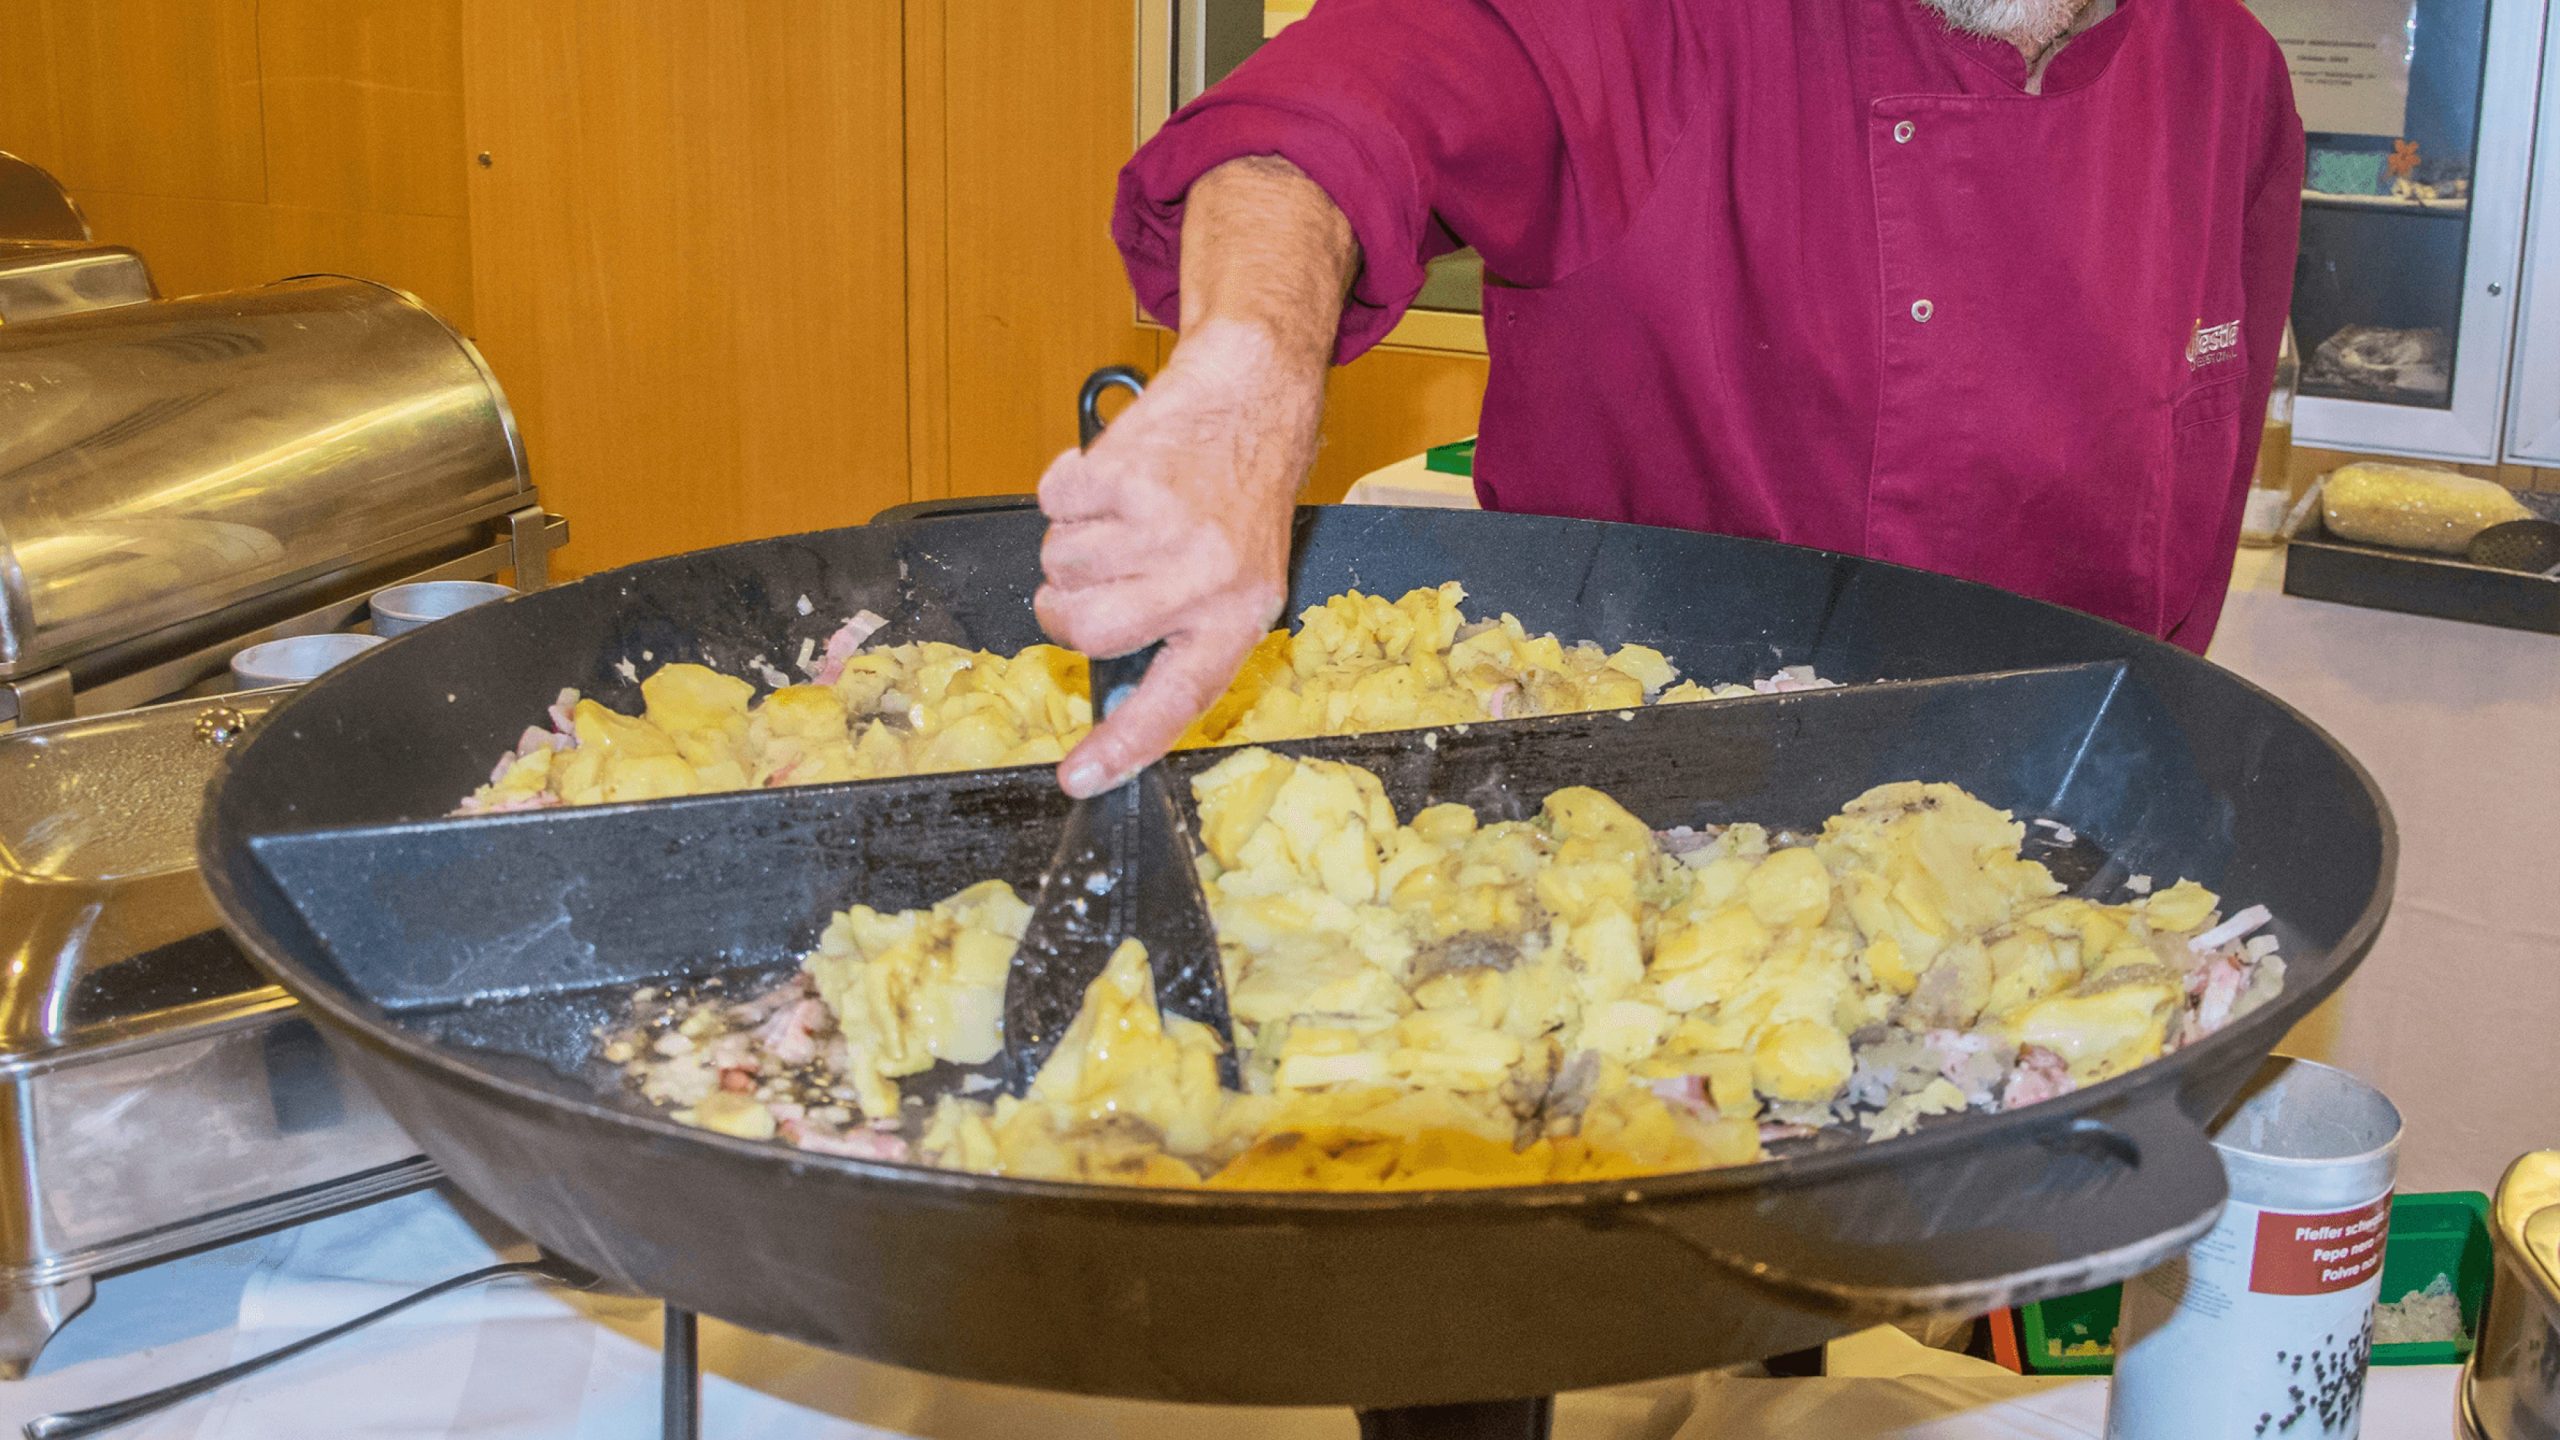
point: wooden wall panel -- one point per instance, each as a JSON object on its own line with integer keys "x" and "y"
{"x": 363, "y": 105}
{"x": 688, "y": 260}
{"x": 29, "y": 126}
{"x": 928, "y": 254}
{"x": 1391, "y": 405}
{"x": 1036, "y": 112}
{"x": 157, "y": 97}
{"x": 340, "y": 150}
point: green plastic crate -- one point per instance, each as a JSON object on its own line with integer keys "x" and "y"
{"x": 1458, "y": 457}
{"x": 2438, "y": 1234}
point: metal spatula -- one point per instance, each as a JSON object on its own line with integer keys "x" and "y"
{"x": 2532, "y": 546}
{"x": 1124, "y": 868}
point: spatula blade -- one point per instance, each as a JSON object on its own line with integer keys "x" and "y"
{"x": 1124, "y": 869}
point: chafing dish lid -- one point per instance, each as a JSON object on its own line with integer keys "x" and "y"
{"x": 160, "y": 462}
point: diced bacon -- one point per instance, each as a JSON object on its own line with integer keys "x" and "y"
{"x": 560, "y": 716}
{"x": 2214, "y": 991}
{"x": 1689, "y": 1090}
{"x": 862, "y": 1144}
{"x": 2040, "y": 1074}
{"x": 737, "y": 1079}
{"x": 758, "y": 1008}
{"x": 1499, "y": 703}
{"x": 789, "y": 1035}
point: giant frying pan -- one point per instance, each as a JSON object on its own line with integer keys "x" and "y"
{"x": 460, "y": 965}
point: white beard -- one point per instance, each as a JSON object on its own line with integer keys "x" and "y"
{"x": 2028, "y": 24}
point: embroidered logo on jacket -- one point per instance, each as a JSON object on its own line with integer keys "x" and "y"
{"x": 2213, "y": 344}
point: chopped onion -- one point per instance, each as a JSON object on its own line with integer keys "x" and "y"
{"x": 2230, "y": 930}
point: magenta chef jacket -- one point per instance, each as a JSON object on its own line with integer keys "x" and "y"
{"x": 1819, "y": 271}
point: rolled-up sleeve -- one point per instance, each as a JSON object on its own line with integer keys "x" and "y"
{"x": 1529, "y": 129}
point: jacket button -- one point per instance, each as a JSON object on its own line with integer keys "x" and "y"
{"x": 1902, "y": 133}
{"x": 1921, "y": 310}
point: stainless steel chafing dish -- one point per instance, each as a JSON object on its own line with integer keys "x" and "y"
{"x": 2511, "y": 1384}
{"x": 181, "y": 478}
{"x": 48, "y": 263}
{"x": 159, "y": 1093}
{"x": 178, "y": 479}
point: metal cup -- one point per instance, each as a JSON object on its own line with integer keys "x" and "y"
{"x": 403, "y": 608}
{"x": 296, "y": 660}
{"x": 2265, "y": 1328}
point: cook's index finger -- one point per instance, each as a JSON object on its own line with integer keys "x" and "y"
{"x": 1181, "y": 684}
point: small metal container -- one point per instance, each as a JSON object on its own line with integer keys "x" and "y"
{"x": 2511, "y": 1386}
{"x": 156, "y": 1093}
{"x": 296, "y": 661}
{"x": 403, "y": 608}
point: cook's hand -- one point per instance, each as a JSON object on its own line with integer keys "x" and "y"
{"x": 1175, "y": 527}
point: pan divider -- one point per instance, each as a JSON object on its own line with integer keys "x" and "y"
{"x": 430, "y": 915}
{"x": 436, "y": 914}
{"x": 1788, "y": 760}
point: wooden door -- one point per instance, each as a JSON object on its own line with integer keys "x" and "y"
{"x": 689, "y": 260}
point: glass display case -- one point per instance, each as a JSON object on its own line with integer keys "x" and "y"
{"x": 2533, "y": 402}
{"x": 2419, "y": 117}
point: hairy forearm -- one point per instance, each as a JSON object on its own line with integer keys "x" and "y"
{"x": 1265, "y": 250}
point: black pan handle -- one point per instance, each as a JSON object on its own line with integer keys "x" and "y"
{"x": 1089, "y": 424}
{"x": 2055, "y": 1211}
{"x": 954, "y": 505}
{"x": 1113, "y": 680}
{"x": 1089, "y": 399}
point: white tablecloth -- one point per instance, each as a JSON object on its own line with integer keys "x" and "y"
{"x": 515, "y": 1362}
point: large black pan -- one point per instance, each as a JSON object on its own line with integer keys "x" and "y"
{"x": 459, "y": 965}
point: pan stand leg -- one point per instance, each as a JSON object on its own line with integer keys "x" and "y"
{"x": 1486, "y": 1420}
{"x": 679, "y": 1381}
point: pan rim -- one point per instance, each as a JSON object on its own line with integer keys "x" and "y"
{"x": 378, "y": 1030}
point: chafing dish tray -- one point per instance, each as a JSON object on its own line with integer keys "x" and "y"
{"x": 160, "y": 1094}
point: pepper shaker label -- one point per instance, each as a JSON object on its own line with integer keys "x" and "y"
{"x": 2319, "y": 1254}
